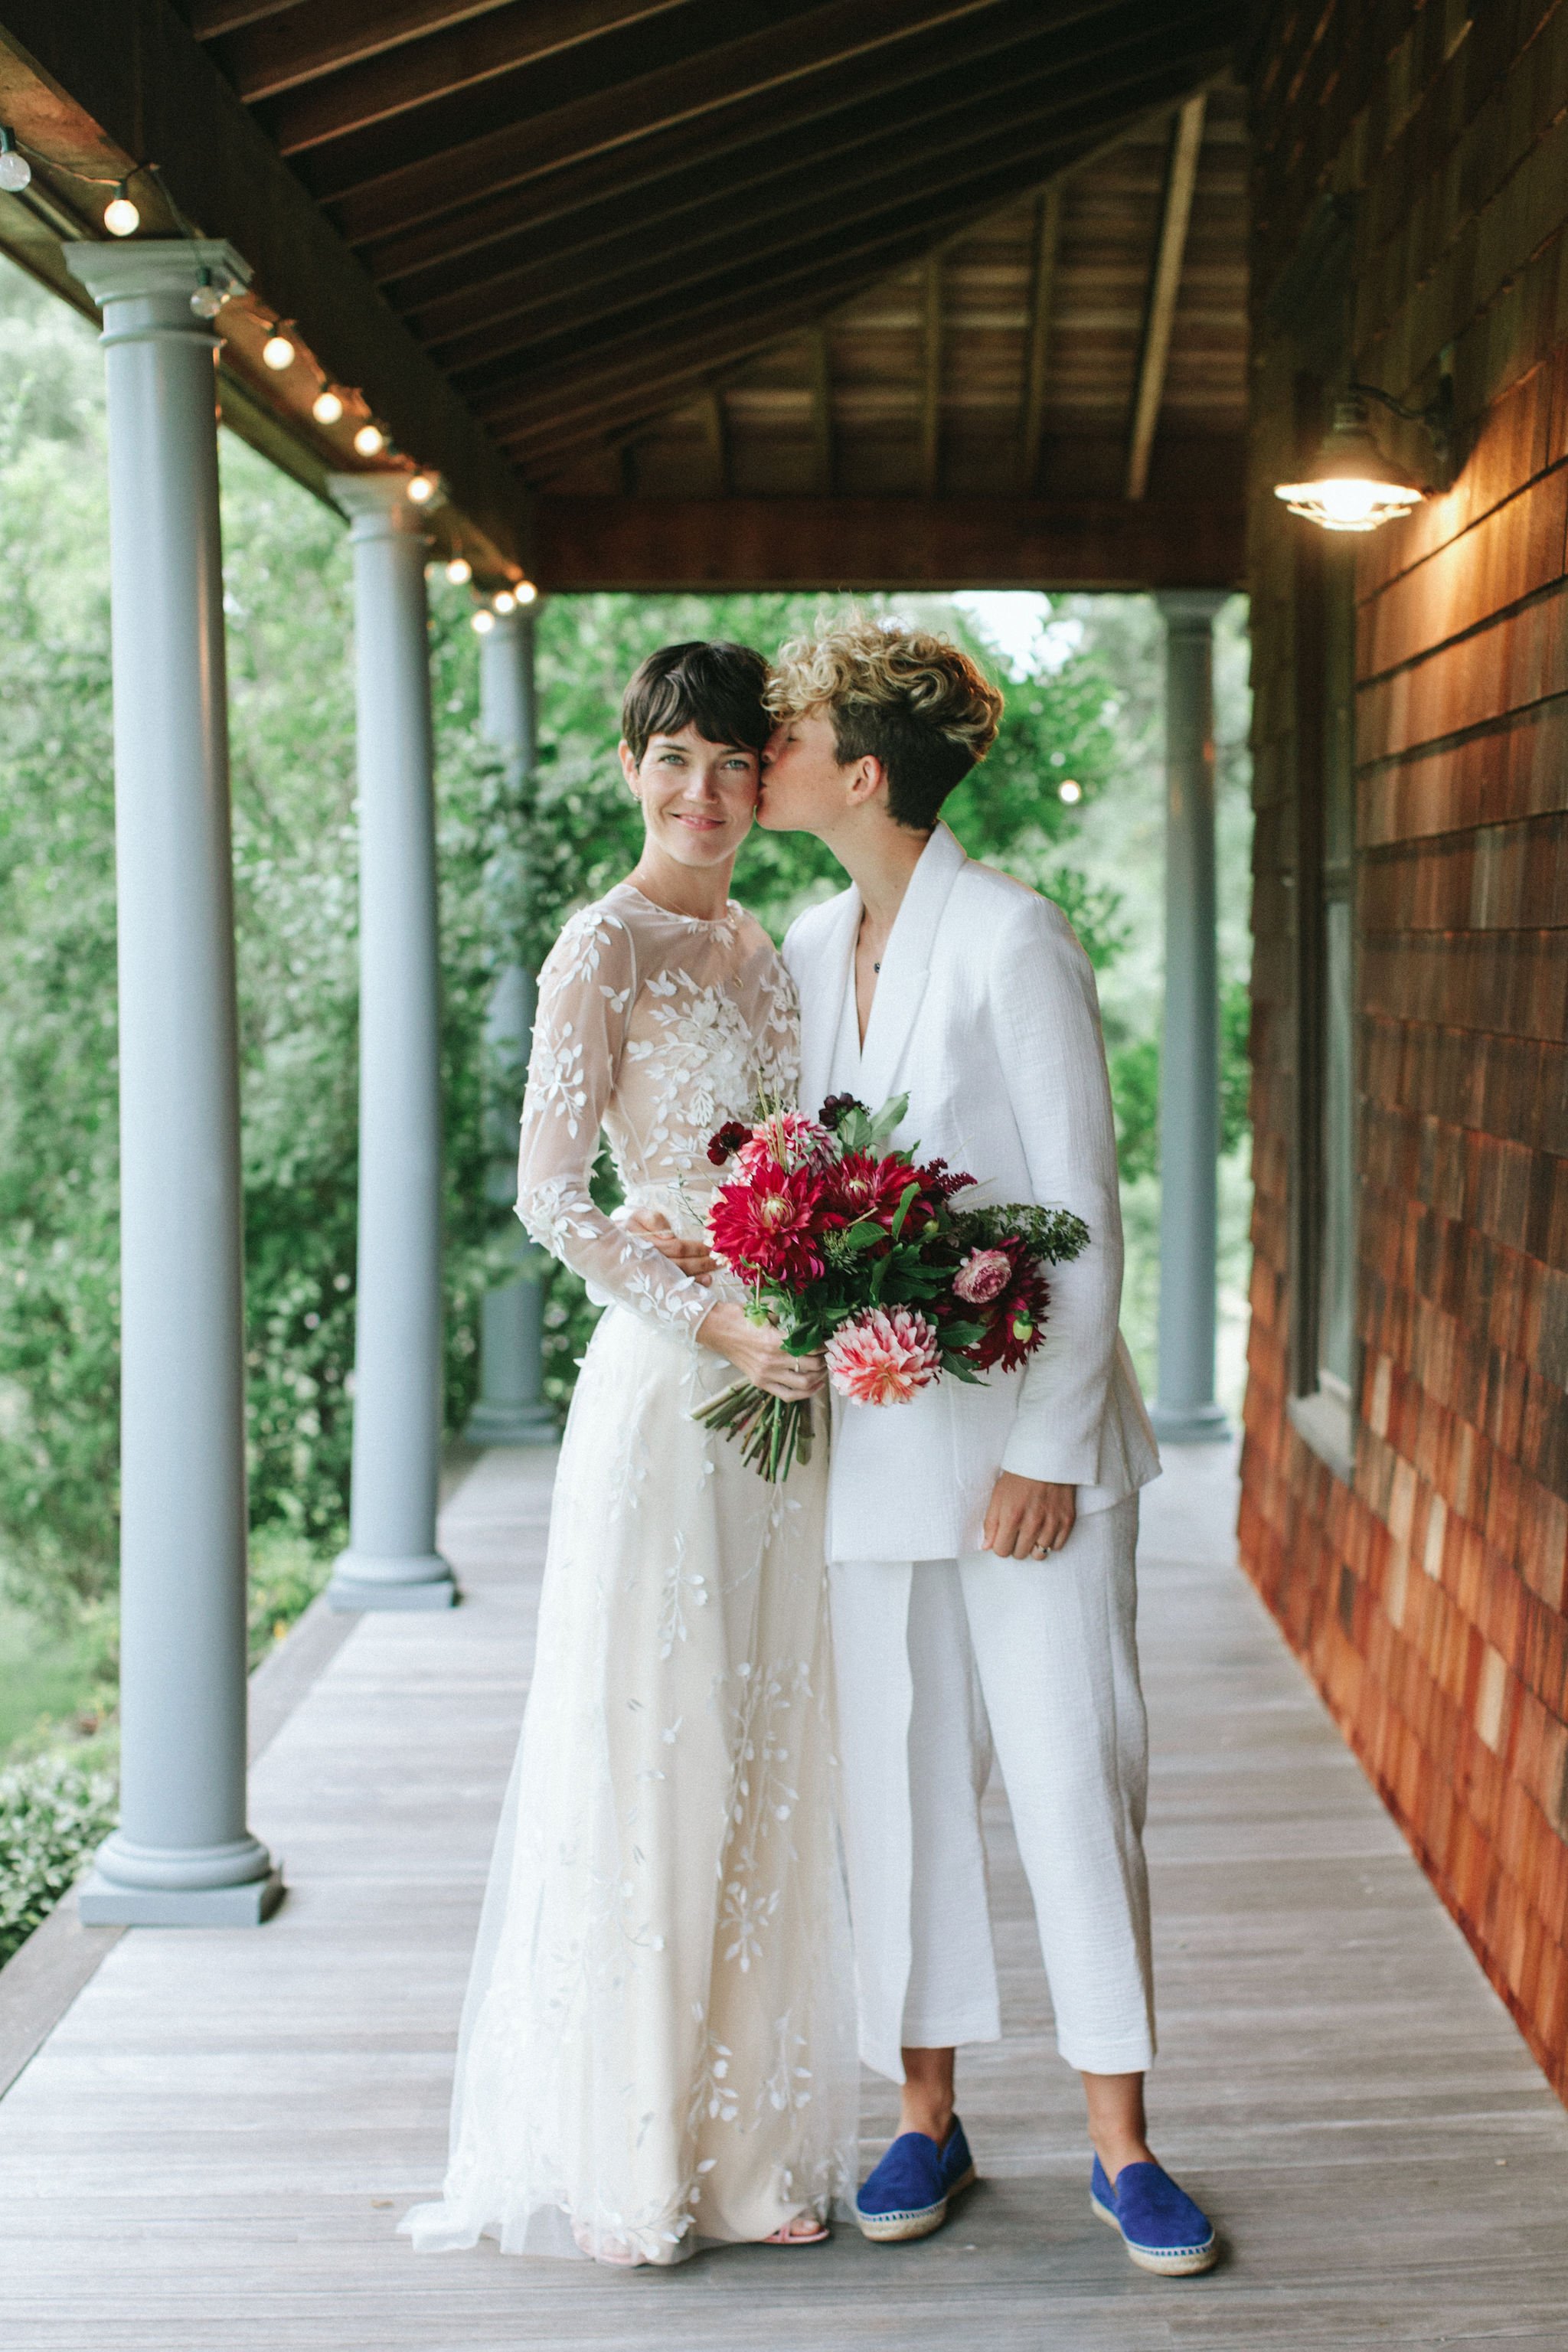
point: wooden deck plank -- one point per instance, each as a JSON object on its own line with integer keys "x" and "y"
{"x": 217, "y": 2138}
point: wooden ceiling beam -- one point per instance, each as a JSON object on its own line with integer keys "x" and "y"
{"x": 1164, "y": 285}
{"x": 750, "y": 137}
{"x": 209, "y": 19}
{"x": 757, "y": 245}
{"x": 822, "y": 413}
{"x": 541, "y": 423}
{"x": 645, "y": 337}
{"x": 595, "y": 246}
{"x": 653, "y": 545}
{"x": 454, "y": 64}
{"x": 930, "y": 376}
{"x": 1042, "y": 298}
{"x": 337, "y": 38}
{"x": 378, "y": 184}
{"x": 758, "y": 264}
{"x": 131, "y": 69}
{"x": 716, "y": 434}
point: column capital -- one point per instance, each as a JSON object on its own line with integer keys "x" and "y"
{"x": 378, "y": 506}
{"x": 148, "y": 270}
{"x": 1191, "y": 608}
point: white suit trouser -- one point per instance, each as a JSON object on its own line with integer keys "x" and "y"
{"x": 939, "y": 1663}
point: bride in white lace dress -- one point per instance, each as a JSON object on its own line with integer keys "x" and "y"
{"x": 656, "y": 2047}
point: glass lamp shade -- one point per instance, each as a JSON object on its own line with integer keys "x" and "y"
{"x": 1353, "y": 486}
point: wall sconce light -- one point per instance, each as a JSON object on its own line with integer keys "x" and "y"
{"x": 1351, "y": 485}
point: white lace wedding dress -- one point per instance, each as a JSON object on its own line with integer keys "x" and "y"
{"x": 658, "y": 2044}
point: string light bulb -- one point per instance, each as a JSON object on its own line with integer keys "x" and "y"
{"x": 278, "y": 352}
{"x": 459, "y": 570}
{"x": 15, "y": 169}
{"x": 120, "y": 218}
{"x": 1069, "y": 791}
{"x": 370, "y": 441}
{"x": 327, "y": 408}
{"x": 421, "y": 490}
{"x": 506, "y": 601}
{"x": 208, "y": 300}
{"x": 484, "y": 620}
{"x": 524, "y": 590}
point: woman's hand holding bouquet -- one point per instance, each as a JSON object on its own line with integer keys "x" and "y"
{"x": 855, "y": 1253}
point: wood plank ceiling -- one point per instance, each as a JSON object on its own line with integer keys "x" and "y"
{"x": 855, "y": 254}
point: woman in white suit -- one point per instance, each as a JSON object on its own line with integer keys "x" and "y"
{"x": 982, "y": 1539}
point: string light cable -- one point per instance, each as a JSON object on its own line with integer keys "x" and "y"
{"x": 123, "y": 217}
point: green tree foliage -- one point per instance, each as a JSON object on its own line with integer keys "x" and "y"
{"x": 291, "y": 730}
{"x": 1083, "y": 713}
{"x": 59, "y": 1234}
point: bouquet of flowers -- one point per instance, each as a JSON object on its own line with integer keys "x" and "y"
{"x": 857, "y": 1252}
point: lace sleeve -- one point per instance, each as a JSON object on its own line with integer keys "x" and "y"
{"x": 586, "y": 992}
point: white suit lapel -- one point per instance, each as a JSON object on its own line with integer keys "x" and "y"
{"x": 906, "y": 963}
{"x": 822, "y": 986}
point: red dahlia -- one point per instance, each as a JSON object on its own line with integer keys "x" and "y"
{"x": 859, "y": 1186}
{"x": 767, "y": 1226}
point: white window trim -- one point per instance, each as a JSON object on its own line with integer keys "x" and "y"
{"x": 1326, "y": 1422}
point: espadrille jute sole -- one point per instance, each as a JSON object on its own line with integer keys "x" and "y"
{"x": 1183, "y": 2264}
{"x": 919, "y": 2222}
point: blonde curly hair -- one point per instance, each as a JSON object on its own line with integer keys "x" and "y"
{"x": 895, "y": 693}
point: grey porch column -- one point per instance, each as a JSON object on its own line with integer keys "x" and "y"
{"x": 510, "y": 1408}
{"x": 391, "y": 1561}
{"x": 182, "y": 1854}
{"x": 1185, "y": 1412}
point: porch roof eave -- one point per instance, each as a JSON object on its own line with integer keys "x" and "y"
{"x": 108, "y": 86}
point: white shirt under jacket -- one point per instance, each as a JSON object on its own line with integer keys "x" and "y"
{"x": 985, "y": 1013}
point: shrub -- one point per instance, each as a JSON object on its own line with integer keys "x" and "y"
{"x": 53, "y": 1812}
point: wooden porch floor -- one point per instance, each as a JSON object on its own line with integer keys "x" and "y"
{"x": 214, "y": 2146}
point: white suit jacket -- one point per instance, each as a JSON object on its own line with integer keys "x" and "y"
{"x": 985, "y": 1013}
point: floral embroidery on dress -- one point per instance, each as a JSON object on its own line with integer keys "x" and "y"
{"x": 659, "y": 2042}
{"x": 655, "y": 1028}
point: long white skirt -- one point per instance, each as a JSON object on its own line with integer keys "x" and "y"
{"x": 657, "y": 2046}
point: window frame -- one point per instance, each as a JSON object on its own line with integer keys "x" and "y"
{"x": 1322, "y": 1402}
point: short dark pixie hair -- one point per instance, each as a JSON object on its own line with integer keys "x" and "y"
{"x": 716, "y": 688}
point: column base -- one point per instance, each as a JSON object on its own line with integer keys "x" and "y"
{"x": 510, "y": 1424}
{"x": 369, "y": 1580}
{"x": 1197, "y": 1425}
{"x": 101, "y": 1902}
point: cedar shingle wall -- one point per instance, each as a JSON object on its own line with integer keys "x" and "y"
{"x": 1429, "y": 1602}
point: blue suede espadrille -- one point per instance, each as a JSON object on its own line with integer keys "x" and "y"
{"x": 1161, "y": 2227}
{"x": 906, "y": 2195}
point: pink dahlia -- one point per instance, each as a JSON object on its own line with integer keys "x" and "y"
{"x": 788, "y": 1137}
{"x": 884, "y": 1357}
{"x": 984, "y": 1274}
{"x": 768, "y": 1225}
